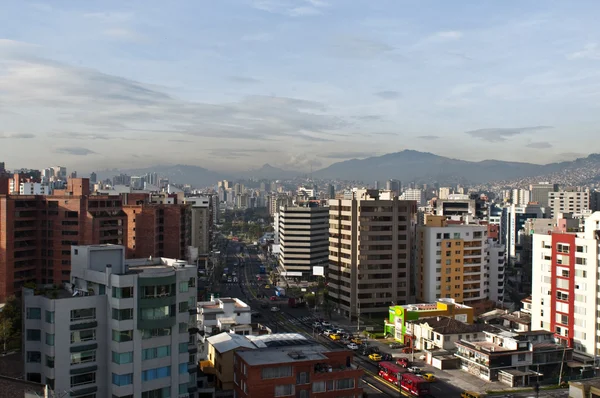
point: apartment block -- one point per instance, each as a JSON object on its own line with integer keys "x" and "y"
{"x": 303, "y": 238}
{"x": 414, "y": 194}
{"x": 459, "y": 262}
{"x": 120, "y": 328}
{"x": 568, "y": 202}
{"x": 202, "y": 219}
{"x": 511, "y": 228}
{"x": 539, "y": 194}
{"x": 565, "y": 287}
{"x": 370, "y": 252}
{"x": 37, "y": 231}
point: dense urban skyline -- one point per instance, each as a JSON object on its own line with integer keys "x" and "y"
{"x": 231, "y": 85}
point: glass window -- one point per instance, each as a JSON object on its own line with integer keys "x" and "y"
{"x": 34, "y": 356}
{"x": 50, "y": 316}
{"x": 150, "y": 333}
{"x": 183, "y": 306}
{"x": 183, "y": 327}
{"x": 122, "y": 335}
{"x": 122, "y": 380}
{"x": 83, "y": 335}
{"x": 50, "y": 361}
{"x": 192, "y": 282}
{"x": 183, "y": 389}
{"x": 284, "y": 390}
{"x": 34, "y": 313}
{"x": 50, "y": 338}
{"x": 157, "y": 373}
{"x": 184, "y": 287}
{"x": 183, "y": 347}
{"x": 344, "y": 384}
{"x": 158, "y": 393}
{"x": 319, "y": 386}
{"x": 158, "y": 291}
{"x": 276, "y": 372}
{"x": 123, "y": 314}
{"x": 122, "y": 292}
{"x": 122, "y": 357}
{"x": 33, "y": 335}
{"x": 86, "y": 378}
{"x": 156, "y": 352}
{"x": 183, "y": 368}
{"x": 83, "y": 357}
{"x": 84, "y": 313}
{"x": 156, "y": 313}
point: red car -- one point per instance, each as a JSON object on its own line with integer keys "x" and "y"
{"x": 404, "y": 362}
{"x": 273, "y": 298}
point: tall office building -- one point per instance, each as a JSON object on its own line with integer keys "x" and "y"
{"x": 414, "y": 194}
{"x": 122, "y": 328}
{"x": 36, "y": 232}
{"x": 93, "y": 178}
{"x": 520, "y": 196}
{"x": 444, "y": 193}
{"x": 572, "y": 201}
{"x": 565, "y": 287}
{"x": 370, "y": 248}
{"x": 202, "y": 222}
{"x": 511, "y": 228}
{"x": 331, "y": 191}
{"x": 393, "y": 185}
{"x": 303, "y": 238}
{"x": 539, "y": 194}
{"x": 458, "y": 262}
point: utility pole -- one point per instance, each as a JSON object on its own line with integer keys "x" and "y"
{"x": 562, "y": 363}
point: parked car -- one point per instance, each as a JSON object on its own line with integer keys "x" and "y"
{"x": 274, "y": 309}
{"x": 273, "y": 298}
{"x": 403, "y": 362}
{"x": 394, "y": 346}
{"x": 429, "y": 376}
{"x": 256, "y": 314}
{"x": 352, "y": 346}
{"x": 340, "y": 331}
{"x": 414, "y": 369}
{"x": 375, "y": 357}
{"x": 267, "y": 287}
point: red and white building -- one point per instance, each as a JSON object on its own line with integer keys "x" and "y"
{"x": 565, "y": 293}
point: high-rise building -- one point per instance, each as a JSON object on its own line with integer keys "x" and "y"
{"x": 444, "y": 192}
{"x": 459, "y": 262}
{"x": 511, "y": 228}
{"x": 303, "y": 238}
{"x": 370, "y": 249}
{"x": 595, "y": 201}
{"x": 539, "y": 193}
{"x": 414, "y": 194}
{"x": 202, "y": 223}
{"x": 572, "y": 201}
{"x": 331, "y": 191}
{"x": 520, "y": 196}
{"x": 93, "y": 178}
{"x": 36, "y": 232}
{"x": 120, "y": 327}
{"x": 393, "y": 185}
{"x": 565, "y": 286}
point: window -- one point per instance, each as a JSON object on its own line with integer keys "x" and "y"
{"x": 50, "y": 339}
{"x": 277, "y": 372}
{"x": 157, "y": 291}
{"x": 318, "y": 386}
{"x": 192, "y": 282}
{"x": 122, "y": 380}
{"x": 284, "y": 390}
{"x": 164, "y": 392}
{"x": 183, "y": 347}
{"x": 82, "y": 314}
{"x": 86, "y": 378}
{"x": 302, "y": 378}
{"x": 344, "y": 384}
{"x": 83, "y": 357}
{"x": 122, "y": 292}
{"x": 183, "y": 368}
{"x": 183, "y": 327}
{"x": 83, "y": 335}
{"x": 150, "y": 333}
{"x": 562, "y": 296}
{"x": 156, "y": 313}
{"x": 50, "y": 361}
{"x": 122, "y": 357}
{"x": 122, "y": 315}
{"x": 184, "y": 287}
{"x": 156, "y": 352}
{"x": 183, "y": 306}
{"x": 33, "y": 335}
{"x": 456, "y": 235}
{"x": 122, "y": 335}
{"x": 34, "y": 356}
{"x": 34, "y": 313}
{"x": 157, "y": 373}
{"x": 183, "y": 389}
{"x": 561, "y": 248}
{"x": 521, "y": 357}
{"x": 49, "y": 316}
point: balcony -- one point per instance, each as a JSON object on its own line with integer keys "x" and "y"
{"x": 207, "y": 367}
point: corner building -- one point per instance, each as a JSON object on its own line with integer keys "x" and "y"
{"x": 370, "y": 242}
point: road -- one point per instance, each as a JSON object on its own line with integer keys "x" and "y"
{"x": 299, "y": 320}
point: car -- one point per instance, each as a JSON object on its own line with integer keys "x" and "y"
{"x": 352, "y": 346}
{"x": 273, "y": 298}
{"x": 274, "y": 309}
{"x": 375, "y": 357}
{"x": 394, "y": 346}
{"x": 326, "y": 324}
{"x": 403, "y": 362}
{"x": 334, "y": 336}
{"x": 356, "y": 340}
{"x": 429, "y": 376}
{"x": 414, "y": 369}
{"x": 386, "y": 357}
{"x": 264, "y": 305}
{"x": 327, "y": 332}
{"x": 229, "y": 280}
{"x": 471, "y": 394}
{"x": 267, "y": 287}
{"x": 316, "y": 325}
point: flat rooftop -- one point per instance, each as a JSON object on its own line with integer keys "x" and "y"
{"x": 282, "y": 355}
{"x": 485, "y": 346}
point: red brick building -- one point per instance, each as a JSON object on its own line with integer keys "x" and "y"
{"x": 300, "y": 371}
{"x": 36, "y": 232}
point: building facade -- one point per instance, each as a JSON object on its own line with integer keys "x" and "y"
{"x": 370, "y": 252}
{"x": 303, "y": 239}
{"x": 121, "y": 328}
{"x": 511, "y": 228}
{"x": 568, "y": 202}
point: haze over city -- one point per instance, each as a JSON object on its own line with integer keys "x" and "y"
{"x": 233, "y": 84}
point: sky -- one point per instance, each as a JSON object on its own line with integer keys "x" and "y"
{"x": 233, "y": 84}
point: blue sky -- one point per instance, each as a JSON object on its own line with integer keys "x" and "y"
{"x": 233, "y": 84}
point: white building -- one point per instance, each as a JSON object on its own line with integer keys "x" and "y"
{"x": 414, "y": 194}
{"x": 31, "y": 188}
{"x": 511, "y": 225}
{"x": 520, "y": 196}
{"x": 440, "y": 332}
{"x": 121, "y": 328}
{"x": 568, "y": 202}
{"x": 444, "y": 192}
{"x": 565, "y": 289}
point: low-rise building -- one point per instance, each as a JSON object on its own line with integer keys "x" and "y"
{"x": 443, "y": 332}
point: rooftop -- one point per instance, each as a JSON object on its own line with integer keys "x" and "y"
{"x": 224, "y": 342}
{"x": 447, "y": 325}
{"x": 484, "y": 346}
{"x": 279, "y": 355}
{"x": 279, "y": 340}
{"x": 433, "y": 306}
{"x": 15, "y": 388}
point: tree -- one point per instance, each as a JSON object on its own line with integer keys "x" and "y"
{"x": 11, "y": 316}
{"x": 311, "y": 300}
{"x": 5, "y": 332}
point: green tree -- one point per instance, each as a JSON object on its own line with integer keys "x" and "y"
{"x": 5, "y": 332}
{"x": 11, "y": 314}
{"x": 311, "y": 300}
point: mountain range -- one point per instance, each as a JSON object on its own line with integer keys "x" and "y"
{"x": 407, "y": 165}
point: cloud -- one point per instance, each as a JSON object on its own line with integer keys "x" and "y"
{"x": 590, "y": 51}
{"x": 77, "y": 151}
{"x": 368, "y": 118}
{"x": 123, "y": 34}
{"x": 291, "y": 8}
{"x": 243, "y": 79}
{"x": 348, "y": 155}
{"x": 16, "y": 136}
{"x": 502, "y": 134}
{"x": 388, "y": 94}
{"x": 177, "y": 140}
{"x": 539, "y": 145}
{"x": 83, "y": 136}
{"x": 429, "y": 137}
{"x": 257, "y": 37}
{"x": 359, "y": 47}
{"x": 447, "y": 35}
{"x": 300, "y": 161}
{"x": 109, "y": 16}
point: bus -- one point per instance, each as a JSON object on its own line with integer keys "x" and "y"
{"x": 413, "y": 385}
{"x": 390, "y": 372}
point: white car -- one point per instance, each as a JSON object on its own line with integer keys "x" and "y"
{"x": 414, "y": 369}
{"x": 327, "y": 332}
{"x": 316, "y": 324}
{"x": 274, "y": 309}
{"x": 352, "y": 346}
{"x": 325, "y": 324}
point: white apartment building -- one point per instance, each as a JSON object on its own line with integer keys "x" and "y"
{"x": 414, "y": 194}
{"x": 568, "y": 202}
{"x": 511, "y": 224}
{"x": 565, "y": 293}
{"x": 458, "y": 262}
{"x": 370, "y": 250}
{"x": 520, "y": 196}
{"x": 121, "y": 328}
{"x": 303, "y": 239}
{"x": 444, "y": 192}
{"x": 34, "y": 188}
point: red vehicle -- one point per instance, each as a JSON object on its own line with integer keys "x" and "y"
{"x": 414, "y": 385}
{"x": 403, "y": 362}
{"x": 390, "y": 372}
{"x": 273, "y": 298}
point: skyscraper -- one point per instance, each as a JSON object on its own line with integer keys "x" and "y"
{"x": 539, "y": 193}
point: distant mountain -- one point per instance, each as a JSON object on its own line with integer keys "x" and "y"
{"x": 410, "y": 165}
{"x": 180, "y": 174}
{"x": 268, "y": 172}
